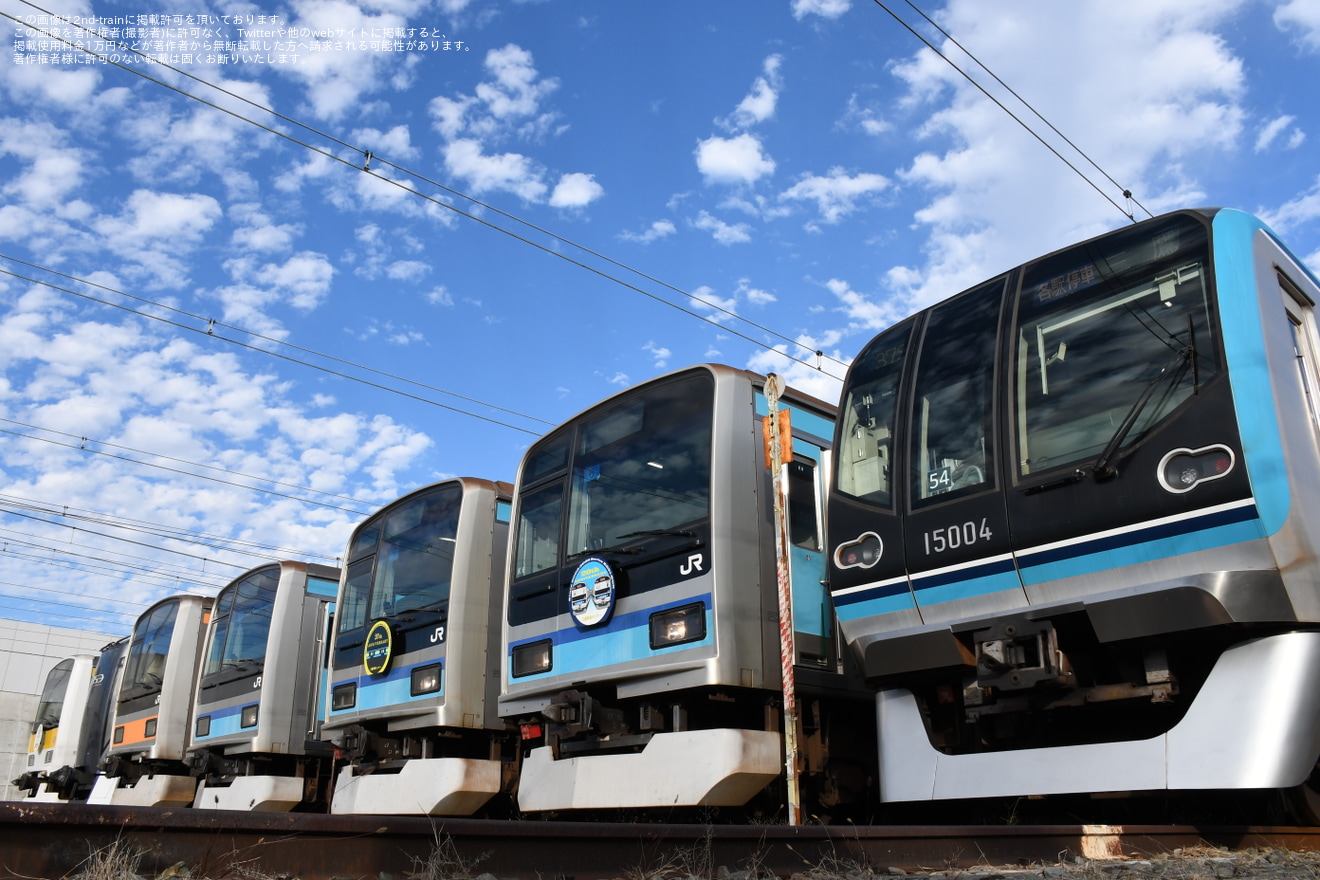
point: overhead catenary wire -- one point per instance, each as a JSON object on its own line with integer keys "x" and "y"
{"x": 15, "y": 503}
{"x": 82, "y": 446}
{"x": 1000, "y": 104}
{"x": 1127, "y": 193}
{"x": 209, "y": 331}
{"x": 365, "y": 168}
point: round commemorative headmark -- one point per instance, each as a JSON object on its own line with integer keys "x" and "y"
{"x": 591, "y": 596}
{"x": 377, "y": 649}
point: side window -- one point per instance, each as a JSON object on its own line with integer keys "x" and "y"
{"x": 953, "y": 405}
{"x": 1301, "y": 317}
{"x": 803, "y": 509}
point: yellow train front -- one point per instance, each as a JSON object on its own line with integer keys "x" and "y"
{"x": 641, "y": 623}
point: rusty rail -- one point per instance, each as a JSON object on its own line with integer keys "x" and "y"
{"x": 54, "y": 840}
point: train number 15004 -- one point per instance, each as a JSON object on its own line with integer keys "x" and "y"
{"x": 953, "y": 537}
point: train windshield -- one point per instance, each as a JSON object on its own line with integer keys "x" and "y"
{"x": 402, "y": 560}
{"x": 52, "y": 695}
{"x": 145, "y": 670}
{"x": 241, "y": 626}
{"x": 636, "y": 470}
{"x": 1110, "y": 338}
{"x": 642, "y": 467}
{"x": 870, "y": 407}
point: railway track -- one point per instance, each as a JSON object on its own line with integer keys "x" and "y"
{"x": 53, "y": 841}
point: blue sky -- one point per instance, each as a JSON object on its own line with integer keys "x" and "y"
{"x": 657, "y": 185}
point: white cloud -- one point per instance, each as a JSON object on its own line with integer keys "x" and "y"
{"x": 439, "y": 296}
{"x": 988, "y": 183}
{"x": 718, "y": 308}
{"x": 660, "y": 354}
{"x": 657, "y": 230}
{"x": 1275, "y": 127}
{"x": 754, "y": 295}
{"x": 395, "y": 144}
{"x": 823, "y": 8}
{"x": 509, "y": 103}
{"x": 1303, "y": 17}
{"x": 576, "y": 190}
{"x": 722, "y": 232}
{"x": 1304, "y": 208}
{"x": 733, "y": 160}
{"x": 407, "y": 270}
{"x": 52, "y": 169}
{"x": 838, "y": 194}
{"x": 759, "y": 104}
{"x": 505, "y": 172}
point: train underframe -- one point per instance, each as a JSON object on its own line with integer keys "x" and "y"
{"x": 1041, "y": 707}
{"x": 268, "y": 783}
{"x": 426, "y": 771}
{"x": 705, "y": 748}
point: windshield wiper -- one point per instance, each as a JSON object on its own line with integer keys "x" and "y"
{"x": 1102, "y": 468}
{"x": 603, "y": 550}
{"x": 678, "y": 533}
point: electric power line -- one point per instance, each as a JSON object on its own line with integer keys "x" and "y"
{"x": 365, "y": 168}
{"x": 1001, "y": 106}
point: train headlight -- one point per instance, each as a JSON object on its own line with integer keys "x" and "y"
{"x": 425, "y": 680}
{"x": 678, "y": 625}
{"x": 149, "y": 729}
{"x": 248, "y": 717}
{"x": 533, "y": 658}
{"x": 203, "y": 726}
{"x": 344, "y": 697}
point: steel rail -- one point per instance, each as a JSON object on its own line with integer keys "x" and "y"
{"x": 40, "y": 840}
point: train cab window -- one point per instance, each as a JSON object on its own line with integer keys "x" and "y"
{"x": 51, "y": 704}
{"x": 642, "y": 467}
{"x": 241, "y": 625}
{"x": 357, "y": 586}
{"x": 415, "y": 560}
{"x": 952, "y": 436}
{"x": 538, "y": 530}
{"x": 144, "y": 672}
{"x": 1110, "y": 338}
{"x": 803, "y": 506}
{"x": 862, "y": 463}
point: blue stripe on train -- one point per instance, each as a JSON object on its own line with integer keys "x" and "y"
{"x": 626, "y": 637}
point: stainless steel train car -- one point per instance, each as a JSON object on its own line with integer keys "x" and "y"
{"x": 152, "y": 708}
{"x": 415, "y": 661}
{"x": 641, "y": 635}
{"x": 1075, "y": 527}
{"x": 70, "y": 733}
{"x": 260, "y": 698}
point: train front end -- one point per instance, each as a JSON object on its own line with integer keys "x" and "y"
{"x": 54, "y": 742}
{"x": 152, "y": 708}
{"x": 1073, "y": 531}
{"x": 641, "y": 657}
{"x": 414, "y": 667}
{"x": 255, "y": 730}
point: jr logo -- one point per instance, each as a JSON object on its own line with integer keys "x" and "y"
{"x": 438, "y": 636}
{"x": 694, "y": 562}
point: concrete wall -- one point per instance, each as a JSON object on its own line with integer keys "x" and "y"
{"x": 27, "y": 652}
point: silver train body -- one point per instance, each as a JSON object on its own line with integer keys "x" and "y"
{"x": 1075, "y": 532}
{"x": 71, "y": 731}
{"x": 415, "y": 663}
{"x": 259, "y": 701}
{"x": 641, "y": 624}
{"x": 152, "y": 708}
